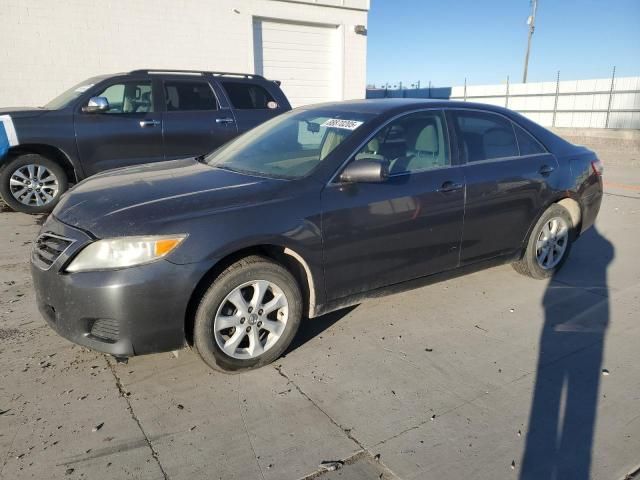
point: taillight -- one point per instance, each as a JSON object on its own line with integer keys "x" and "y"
{"x": 597, "y": 168}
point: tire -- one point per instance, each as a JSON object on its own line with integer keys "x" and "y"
{"x": 222, "y": 319}
{"x": 530, "y": 264}
{"x": 50, "y": 178}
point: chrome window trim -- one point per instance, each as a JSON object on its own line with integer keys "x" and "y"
{"x": 59, "y": 237}
{"x": 502, "y": 159}
{"x": 351, "y": 156}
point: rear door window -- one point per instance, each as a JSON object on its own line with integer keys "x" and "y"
{"x": 528, "y": 145}
{"x": 183, "y": 95}
{"x": 484, "y": 136}
{"x": 249, "y": 96}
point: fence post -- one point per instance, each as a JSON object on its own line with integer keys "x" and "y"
{"x": 465, "y": 89}
{"x": 506, "y": 99}
{"x": 613, "y": 79}
{"x": 555, "y": 103}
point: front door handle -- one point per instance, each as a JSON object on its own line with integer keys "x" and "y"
{"x": 450, "y": 186}
{"x": 149, "y": 123}
{"x": 546, "y": 170}
{"x": 225, "y": 120}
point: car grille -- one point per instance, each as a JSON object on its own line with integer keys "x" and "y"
{"x": 106, "y": 329}
{"x": 48, "y": 248}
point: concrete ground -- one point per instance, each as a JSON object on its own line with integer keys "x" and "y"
{"x": 487, "y": 376}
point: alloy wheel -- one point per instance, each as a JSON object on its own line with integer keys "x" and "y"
{"x": 34, "y": 185}
{"x": 251, "y": 319}
{"x": 552, "y": 242}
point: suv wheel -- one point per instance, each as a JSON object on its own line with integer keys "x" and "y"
{"x": 32, "y": 183}
{"x": 549, "y": 244}
{"x": 248, "y": 316}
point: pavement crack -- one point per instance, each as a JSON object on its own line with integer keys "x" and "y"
{"x": 346, "y": 431}
{"x": 121, "y": 389}
{"x": 246, "y": 430}
{"x": 620, "y": 195}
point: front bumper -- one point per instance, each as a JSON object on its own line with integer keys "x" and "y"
{"x": 123, "y": 312}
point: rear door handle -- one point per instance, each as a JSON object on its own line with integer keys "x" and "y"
{"x": 225, "y": 120}
{"x": 449, "y": 186}
{"x": 149, "y": 123}
{"x": 546, "y": 170}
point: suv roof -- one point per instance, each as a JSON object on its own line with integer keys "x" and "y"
{"x": 197, "y": 72}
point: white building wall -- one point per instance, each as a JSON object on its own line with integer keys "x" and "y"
{"x": 48, "y": 46}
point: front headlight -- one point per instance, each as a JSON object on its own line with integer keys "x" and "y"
{"x": 124, "y": 252}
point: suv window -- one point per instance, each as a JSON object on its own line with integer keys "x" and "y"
{"x": 248, "y": 96}
{"x": 485, "y": 136}
{"x": 128, "y": 97}
{"x": 528, "y": 145}
{"x": 413, "y": 143}
{"x": 189, "y": 95}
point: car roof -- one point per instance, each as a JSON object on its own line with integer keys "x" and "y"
{"x": 398, "y": 105}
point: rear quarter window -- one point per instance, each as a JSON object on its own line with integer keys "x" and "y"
{"x": 528, "y": 145}
{"x": 249, "y": 96}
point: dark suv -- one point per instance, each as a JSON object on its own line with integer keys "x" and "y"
{"x": 309, "y": 212}
{"x": 125, "y": 119}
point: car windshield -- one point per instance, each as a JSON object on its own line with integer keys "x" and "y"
{"x": 70, "y": 95}
{"x": 290, "y": 145}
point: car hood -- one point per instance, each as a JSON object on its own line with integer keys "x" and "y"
{"x": 149, "y": 198}
{"x": 23, "y": 112}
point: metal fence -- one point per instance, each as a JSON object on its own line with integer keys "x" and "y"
{"x": 596, "y": 103}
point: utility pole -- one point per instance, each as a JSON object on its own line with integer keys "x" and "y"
{"x": 531, "y": 21}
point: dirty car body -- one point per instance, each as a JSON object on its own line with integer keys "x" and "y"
{"x": 439, "y": 209}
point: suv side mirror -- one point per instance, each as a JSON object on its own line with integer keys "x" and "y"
{"x": 366, "y": 170}
{"x": 96, "y": 105}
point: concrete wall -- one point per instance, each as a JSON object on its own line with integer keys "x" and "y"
{"x": 614, "y": 147}
{"x": 49, "y": 46}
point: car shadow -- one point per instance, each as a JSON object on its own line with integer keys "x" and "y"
{"x": 563, "y": 412}
{"x": 312, "y": 327}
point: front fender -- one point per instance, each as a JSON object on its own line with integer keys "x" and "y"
{"x": 8, "y": 136}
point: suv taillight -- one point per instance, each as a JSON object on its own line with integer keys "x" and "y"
{"x": 597, "y": 167}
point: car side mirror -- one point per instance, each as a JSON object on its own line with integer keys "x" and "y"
{"x": 96, "y": 105}
{"x": 366, "y": 170}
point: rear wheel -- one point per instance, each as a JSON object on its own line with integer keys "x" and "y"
{"x": 549, "y": 244}
{"x": 32, "y": 183}
{"x": 248, "y": 316}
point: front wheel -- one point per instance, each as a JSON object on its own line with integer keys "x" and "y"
{"x": 549, "y": 244}
{"x": 32, "y": 183}
{"x": 248, "y": 316}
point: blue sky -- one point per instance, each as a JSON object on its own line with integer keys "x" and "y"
{"x": 485, "y": 40}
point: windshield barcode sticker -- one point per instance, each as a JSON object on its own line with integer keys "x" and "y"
{"x": 339, "y": 123}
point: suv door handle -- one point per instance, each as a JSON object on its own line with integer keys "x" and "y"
{"x": 449, "y": 186}
{"x": 225, "y": 120}
{"x": 546, "y": 170}
{"x": 149, "y": 123}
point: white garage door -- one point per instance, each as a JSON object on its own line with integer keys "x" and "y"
{"x": 304, "y": 57}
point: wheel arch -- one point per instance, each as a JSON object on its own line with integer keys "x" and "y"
{"x": 285, "y": 256}
{"x": 570, "y": 203}
{"x": 49, "y": 151}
